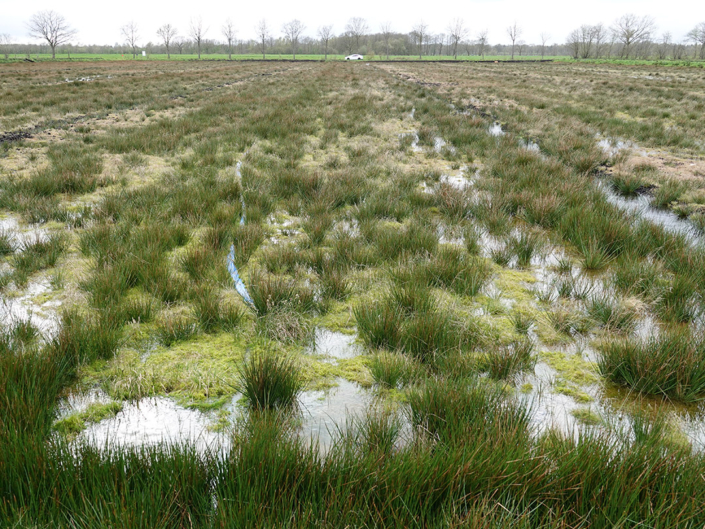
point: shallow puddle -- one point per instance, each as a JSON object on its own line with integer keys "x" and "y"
{"x": 325, "y": 413}
{"x": 415, "y": 147}
{"x": 496, "y": 129}
{"x": 334, "y": 344}
{"x": 641, "y": 207}
{"x": 152, "y": 421}
{"x": 19, "y": 233}
{"x": 530, "y": 145}
{"x": 612, "y": 147}
{"x": 24, "y": 308}
{"x": 458, "y": 181}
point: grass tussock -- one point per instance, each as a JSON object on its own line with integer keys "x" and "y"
{"x": 610, "y": 313}
{"x": 670, "y": 365}
{"x": 174, "y": 328}
{"x": 453, "y": 269}
{"x": 38, "y": 253}
{"x": 272, "y": 293}
{"x": 505, "y": 361}
{"x": 7, "y": 242}
{"x": 270, "y": 381}
{"x": 451, "y": 410}
{"x": 394, "y": 370}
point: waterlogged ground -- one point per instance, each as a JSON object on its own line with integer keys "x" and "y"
{"x": 315, "y": 173}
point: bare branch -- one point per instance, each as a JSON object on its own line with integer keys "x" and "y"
{"x": 631, "y": 30}
{"x": 5, "y": 45}
{"x": 197, "y": 33}
{"x": 262, "y": 34}
{"x": 325, "y": 33}
{"x": 292, "y": 30}
{"x": 482, "y": 42}
{"x": 131, "y": 34}
{"x": 52, "y": 27}
{"x": 356, "y": 28}
{"x": 514, "y": 32}
{"x": 458, "y": 32}
{"x": 386, "y": 29}
{"x": 168, "y": 34}
{"x": 420, "y": 33}
{"x": 697, "y": 37}
{"x": 229, "y": 32}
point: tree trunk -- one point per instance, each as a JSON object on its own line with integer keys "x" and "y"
{"x": 53, "y": 52}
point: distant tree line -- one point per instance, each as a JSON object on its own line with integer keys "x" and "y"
{"x": 629, "y": 37}
{"x": 633, "y": 37}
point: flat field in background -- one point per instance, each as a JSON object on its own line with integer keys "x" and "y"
{"x": 471, "y": 294}
{"x": 78, "y": 57}
{"x": 268, "y": 56}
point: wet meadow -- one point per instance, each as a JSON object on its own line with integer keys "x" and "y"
{"x": 351, "y": 295}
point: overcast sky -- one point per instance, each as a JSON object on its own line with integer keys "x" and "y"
{"x": 100, "y": 22}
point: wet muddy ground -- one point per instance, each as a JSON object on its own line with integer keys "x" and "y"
{"x": 564, "y": 389}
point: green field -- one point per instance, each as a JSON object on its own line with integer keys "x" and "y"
{"x": 333, "y": 57}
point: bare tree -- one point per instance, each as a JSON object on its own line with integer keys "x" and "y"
{"x": 52, "y": 27}
{"x": 229, "y": 32}
{"x": 574, "y": 43}
{"x": 587, "y": 39}
{"x": 664, "y": 46}
{"x": 326, "y": 33}
{"x": 439, "y": 40}
{"x": 356, "y": 28}
{"x": 348, "y": 42}
{"x": 180, "y": 43}
{"x": 132, "y": 35}
{"x": 419, "y": 34}
{"x": 514, "y": 33}
{"x": 697, "y": 37}
{"x": 5, "y": 45}
{"x": 293, "y": 30}
{"x": 678, "y": 51}
{"x": 482, "y": 42}
{"x": 600, "y": 35}
{"x": 197, "y": 33}
{"x": 630, "y": 30}
{"x": 386, "y": 30}
{"x": 167, "y": 33}
{"x": 545, "y": 37}
{"x": 457, "y": 32}
{"x": 262, "y": 34}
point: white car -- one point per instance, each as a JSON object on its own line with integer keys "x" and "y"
{"x": 354, "y": 57}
